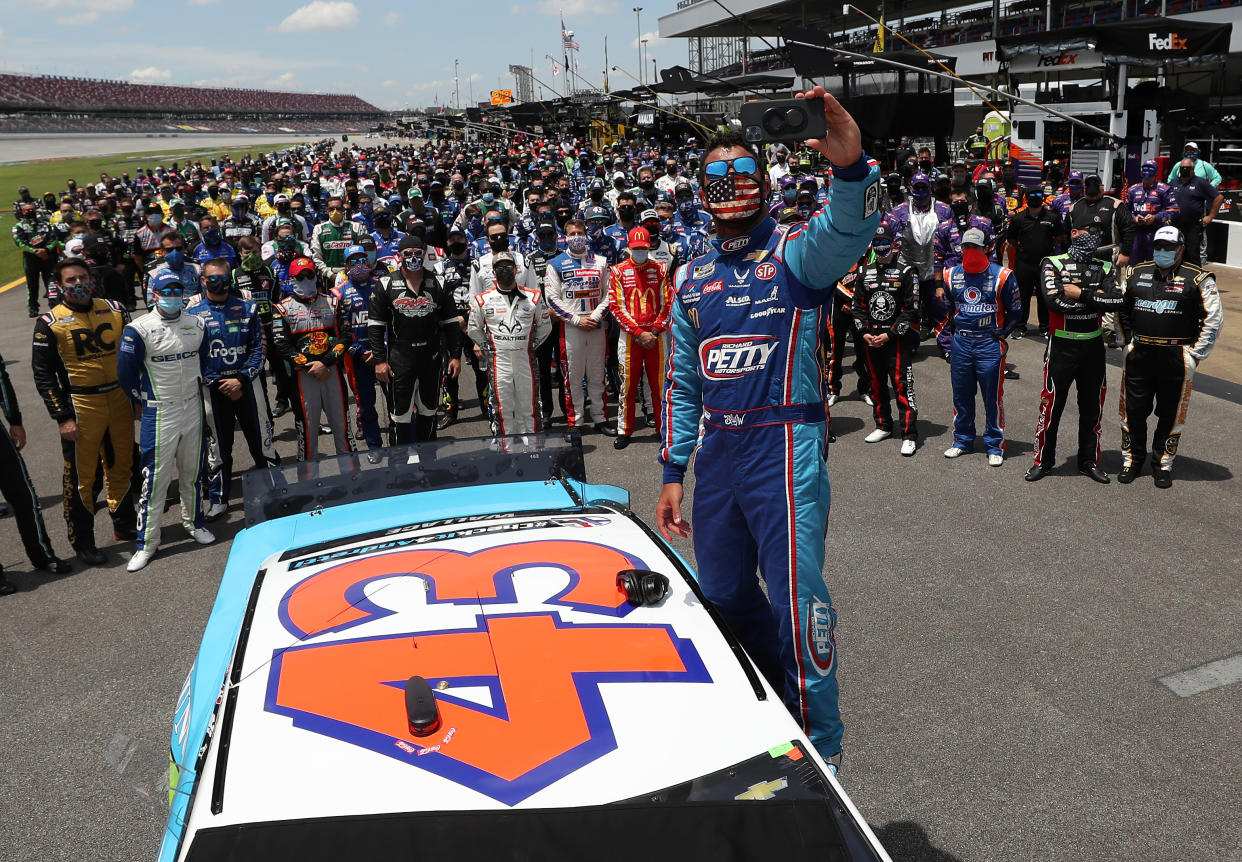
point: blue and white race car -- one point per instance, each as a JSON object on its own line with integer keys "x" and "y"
{"x": 464, "y": 653}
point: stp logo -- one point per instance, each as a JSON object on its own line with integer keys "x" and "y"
{"x": 765, "y": 271}
{"x": 546, "y": 717}
{"x": 736, "y": 355}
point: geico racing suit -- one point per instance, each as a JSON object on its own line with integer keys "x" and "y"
{"x": 234, "y": 351}
{"x": 576, "y": 290}
{"x": 74, "y": 360}
{"x": 640, "y": 297}
{"x": 509, "y": 326}
{"x": 1171, "y": 322}
{"x": 751, "y": 372}
{"x": 305, "y": 332}
{"x": 161, "y": 367}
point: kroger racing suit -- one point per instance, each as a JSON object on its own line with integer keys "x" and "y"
{"x": 234, "y": 351}
{"x": 576, "y": 290}
{"x": 509, "y": 327}
{"x": 161, "y": 365}
{"x": 984, "y": 306}
{"x": 640, "y": 297}
{"x": 353, "y": 312}
{"x": 761, "y": 493}
{"x": 306, "y": 332}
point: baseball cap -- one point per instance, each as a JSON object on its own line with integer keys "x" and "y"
{"x": 594, "y": 212}
{"x": 415, "y": 192}
{"x": 281, "y": 198}
{"x": 648, "y": 215}
{"x": 883, "y": 235}
{"x": 455, "y": 231}
{"x": 355, "y": 250}
{"x": 1150, "y": 165}
{"x": 639, "y": 238}
{"x": 301, "y": 266}
{"x": 619, "y": 175}
{"x": 75, "y": 247}
{"x": 411, "y": 241}
{"x": 974, "y": 236}
{"x": 1168, "y": 233}
{"x": 1074, "y": 177}
{"x": 503, "y": 257}
{"x": 1190, "y": 145}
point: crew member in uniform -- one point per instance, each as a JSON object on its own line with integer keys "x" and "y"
{"x": 1171, "y": 315}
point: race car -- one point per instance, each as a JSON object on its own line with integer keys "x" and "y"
{"x": 466, "y": 651}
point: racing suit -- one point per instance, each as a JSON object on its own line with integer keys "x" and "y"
{"x": 161, "y": 366}
{"x": 306, "y": 332}
{"x": 354, "y": 310}
{"x": 509, "y": 326}
{"x": 575, "y": 290}
{"x": 454, "y": 273}
{"x": 985, "y": 306}
{"x": 761, "y": 493}
{"x": 1033, "y": 233}
{"x": 260, "y": 287}
{"x": 640, "y": 297}
{"x": 1075, "y": 353}
{"x": 914, "y": 225}
{"x": 74, "y": 362}
{"x": 1156, "y": 201}
{"x": 235, "y": 227}
{"x": 886, "y": 302}
{"x": 948, "y": 252}
{"x": 234, "y": 351}
{"x": 328, "y": 243}
{"x": 549, "y": 368}
{"x": 840, "y": 321}
{"x": 16, "y": 485}
{"x": 416, "y": 321}
{"x": 1171, "y": 322}
{"x": 34, "y": 236}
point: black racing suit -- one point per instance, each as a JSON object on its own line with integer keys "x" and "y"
{"x": 1170, "y": 323}
{"x": 414, "y": 322}
{"x": 841, "y": 327}
{"x": 1034, "y": 237}
{"x": 886, "y": 301}
{"x": 456, "y": 278}
{"x": 1075, "y": 352}
{"x": 260, "y": 287}
{"x": 15, "y": 482}
{"x": 546, "y": 353}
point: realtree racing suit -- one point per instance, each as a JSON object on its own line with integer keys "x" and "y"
{"x": 234, "y": 351}
{"x": 161, "y": 366}
{"x": 761, "y": 496}
{"x": 1075, "y": 353}
{"x": 984, "y": 308}
{"x": 74, "y": 362}
{"x": 509, "y": 327}
{"x": 415, "y": 323}
{"x": 1171, "y": 325}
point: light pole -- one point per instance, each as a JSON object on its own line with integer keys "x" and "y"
{"x": 456, "y": 89}
{"x": 642, "y": 60}
{"x": 638, "y": 19}
{"x": 654, "y": 75}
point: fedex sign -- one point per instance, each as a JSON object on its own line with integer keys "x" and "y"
{"x": 1171, "y": 42}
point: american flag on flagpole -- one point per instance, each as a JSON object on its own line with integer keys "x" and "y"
{"x": 567, "y": 40}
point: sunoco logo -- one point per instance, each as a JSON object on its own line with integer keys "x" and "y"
{"x": 736, "y": 356}
{"x": 1171, "y": 42}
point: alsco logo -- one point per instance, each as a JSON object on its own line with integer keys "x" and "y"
{"x": 1172, "y": 42}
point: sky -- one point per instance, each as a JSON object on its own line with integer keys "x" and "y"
{"x": 394, "y": 55}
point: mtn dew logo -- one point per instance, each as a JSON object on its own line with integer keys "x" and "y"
{"x": 996, "y": 129}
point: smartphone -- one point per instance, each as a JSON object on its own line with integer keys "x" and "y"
{"x": 783, "y": 120}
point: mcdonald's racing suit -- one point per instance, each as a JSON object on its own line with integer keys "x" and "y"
{"x": 74, "y": 361}
{"x": 640, "y": 297}
{"x": 745, "y": 358}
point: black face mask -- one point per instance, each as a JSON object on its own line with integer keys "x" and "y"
{"x": 926, "y": 165}
{"x": 1091, "y": 187}
{"x": 961, "y": 209}
{"x": 1186, "y": 173}
{"x": 383, "y": 220}
{"x": 647, "y": 185}
{"x": 625, "y": 213}
{"x": 456, "y": 248}
{"x": 498, "y": 241}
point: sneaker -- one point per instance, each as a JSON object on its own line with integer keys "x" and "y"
{"x": 57, "y": 566}
{"x": 832, "y": 399}
{"x": 445, "y": 421}
{"x": 92, "y": 556}
{"x": 1019, "y": 332}
{"x": 1011, "y": 374}
{"x": 908, "y": 447}
{"x": 834, "y": 763}
{"x": 202, "y": 535}
{"x": 877, "y": 435}
{"x": 217, "y": 511}
{"x": 324, "y": 429}
{"x": 868, "y": 401}
{"x": 1162, "y": 478}
{"x": 1130, "y": 472}
{"x": 282, "y": 407}
{"x": 621, "y": 441}
{"x": 139, "y": 560}
{"x": 995, "y": 460}
{"x": 954, "y": 452}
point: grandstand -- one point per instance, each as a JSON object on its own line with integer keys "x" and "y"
{"x": 50, "y": 103}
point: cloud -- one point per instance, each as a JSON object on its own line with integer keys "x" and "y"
{"x": 392, "y": 19}
{"x": 1, "y": 33}
{"x": 320, "y": 15}
{"x": 575, "y": 8}
{"x": 150, "y": 73}
{"x": 389, "y": 83}
{"x": 203, "y": 2}
{"x": 85, "y": 11}
{"x": 280, "y": 80}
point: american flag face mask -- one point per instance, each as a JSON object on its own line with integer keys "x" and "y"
{"x": 733, "y": 197}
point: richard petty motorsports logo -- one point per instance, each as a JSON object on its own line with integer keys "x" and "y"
{"x": 733, "y": 356}
{"x": 546, "y": 719}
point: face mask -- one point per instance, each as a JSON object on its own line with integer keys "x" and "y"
{"x": 577, "y": 244}
{"x": 488, "y": 197}
{"x": 881, "y": 251}
{"x": 383, "y": 220}
{"x": 1083, "y": 245}
{"x": 594, "y": 232}
{"x": 1186, "y": 173}
{"x": 498, "y": 242}
{"x": 456, "y": 248}
{"x": 639, "y": 255}
{"x": 474, "y": 224}
{"x": 920, "y": 193}
{"x": 1092, "y": 187}
{"x": 359, "y": 272}
{"x": 667, "y": 231}
{"x": 547, "y": 242}
{"x": 78, "y": 295}
{"x": 336, "y": 217}
{"x": 412, "y": 264}
{"x": 155, "y": 219}
{"x": 1165, "y": 258}
{"x": 252, "y": 262}
{"x": 305, "y": 288}
{"x": 734, "y": 197}
{"x": 217, "y": 285}
{"x": 211, "y": 237}
{"x": 505, "y": 276}
{"x": 170, "y": 305}
{"x": 1075, "y": 192}
{"x": 625, "y": 213}
{"x": 282, "y": 207}
{"x": 647, "y": 185}
{"x": 974, "y": 260}
{"x": 960, "y": 208}
{"x": 1034, "y": 202}
{"x": 804, "y": 213}
{"x": 1193, "y": 155}
{"x": 239, "y": 210}
{"x": 925, "y": 165}
{"x": 175, "y": 258}
{"x": 984, "y": 193}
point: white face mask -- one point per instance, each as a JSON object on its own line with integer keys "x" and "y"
{"x": 305, "y": 287}
{"x": 576, "y": 244}
{"x": 639, "y": 255}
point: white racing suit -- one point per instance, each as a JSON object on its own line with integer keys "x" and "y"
{"x": 577, "y": 289}
{"x": 509, "y": 327}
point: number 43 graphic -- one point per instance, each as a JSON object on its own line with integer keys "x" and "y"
{"x": 546, "y": 719}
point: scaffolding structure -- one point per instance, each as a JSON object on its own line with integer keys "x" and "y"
{"x": 709, "y": 53}
{"x": 524, "y": 83}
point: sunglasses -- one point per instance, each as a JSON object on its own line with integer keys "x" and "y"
{"x": 172, "y": 290}
{"x": 332, "y": 209}
{"x": 410, "y": 254}
{"x": 219, "y": 282}
{"x": 740, "y": 165}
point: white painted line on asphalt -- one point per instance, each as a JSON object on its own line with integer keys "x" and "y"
{"x": 1205, "y": 677}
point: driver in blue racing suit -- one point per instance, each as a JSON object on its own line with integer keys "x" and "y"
{"x": 746, "y": 322}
